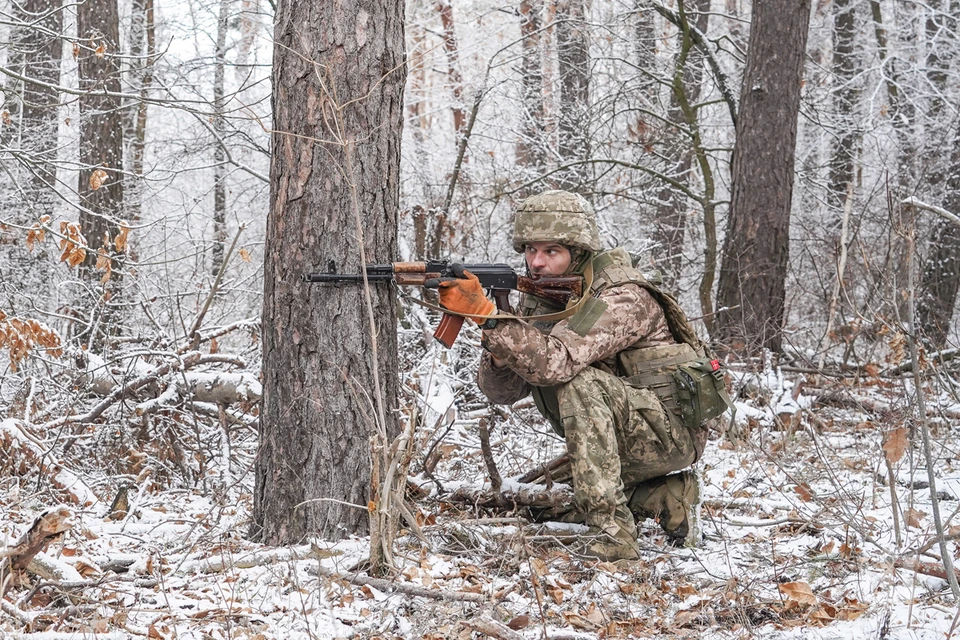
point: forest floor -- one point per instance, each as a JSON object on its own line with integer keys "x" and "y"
{"x": 800, "y": 540}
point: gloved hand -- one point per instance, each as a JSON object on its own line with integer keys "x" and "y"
{"x": 464, "y": 294}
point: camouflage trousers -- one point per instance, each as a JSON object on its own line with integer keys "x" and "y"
{"x": 618, "y": 436}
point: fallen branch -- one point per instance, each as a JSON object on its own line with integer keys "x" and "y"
{"x": 244, "y": 561}
{"x": 490, "y": 627}
{"x": 558, "y": 470}
{"x": 925, "y": 568}
{"x": 389, "y": 586}
{"x": 47, "y": 526}
{"x": 14, "y": 440}
{"x": 545, "y": 501}
{"x": 12, "y": 610}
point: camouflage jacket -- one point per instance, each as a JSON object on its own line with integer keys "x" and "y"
{"x": 624, "y": 316}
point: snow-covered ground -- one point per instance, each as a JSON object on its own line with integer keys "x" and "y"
{"x": 800, "y": 541}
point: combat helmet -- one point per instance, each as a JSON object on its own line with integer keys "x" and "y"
{"x": 556, "y": 216}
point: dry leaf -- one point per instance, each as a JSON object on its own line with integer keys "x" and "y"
{"x": 97, "y": 178}
{"x": 894, "y": 444}
{"x": 519, "y": 622}
{"x": 244, "y": 255}
{"x": 594, "y": 615}
{"x": 684, "y": 618}
{"x": 798, "y": 592}
{"x": 555, "y": 593}
{"x": 913, "y": 517}
{"x": 538, "y": 566}
{"x": 120, "y": 242}
{"x": 804, "y": 492}
{"x": 100, "y": 51}
{"x": 898, "y": 348}
{"x": 5, "y": 116}
{"x": 76, "y": 50}
{"x": 371, "y": 506}
{"x": 577, "y": 621}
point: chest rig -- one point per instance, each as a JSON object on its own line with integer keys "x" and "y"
{"x": 642, "y": 364}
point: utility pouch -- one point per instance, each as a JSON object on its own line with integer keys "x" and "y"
{"x": 701, "y": 392}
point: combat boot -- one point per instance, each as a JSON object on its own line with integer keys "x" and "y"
{"x": 609, "y": 544}
{"x": 674, "y": 502}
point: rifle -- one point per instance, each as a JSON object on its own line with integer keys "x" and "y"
{"x": 498, "y": 279}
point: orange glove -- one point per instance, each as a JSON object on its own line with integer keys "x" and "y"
{"x": 465, "y": 295}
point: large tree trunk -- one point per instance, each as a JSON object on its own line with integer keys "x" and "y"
{"x": 573, "y": 55}
{"x": 338, "y": 84}
{"x": 101, "y": 123}
{"x": 756, "y": 249}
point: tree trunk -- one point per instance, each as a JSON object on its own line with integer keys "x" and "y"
{"x": 531, "y": 146}
{"x": 142, "y": 37}
{"x": 845, "y": 99}
{"x": 219, "y": 153}
{"x": 671, "y": 217}
{"x": 941, "y": 274}
{"x": 453, "y": 65}
{"x": 36, "y": 54}
{"x": 756, "y": 249}
{"x": 101, "y": 124}
{"x": 337, "y": 102}
{"x": 573, "y": 57}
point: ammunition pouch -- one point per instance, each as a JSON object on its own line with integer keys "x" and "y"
{"x": 701, "y": 392}
{"x": 690, "y": 387}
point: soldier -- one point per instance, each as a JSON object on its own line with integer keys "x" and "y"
{"x": 602, "y": 376}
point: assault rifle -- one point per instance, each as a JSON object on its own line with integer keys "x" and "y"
{"x": 498, "y": 279}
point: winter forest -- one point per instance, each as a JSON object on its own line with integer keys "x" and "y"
{"x": 194, "y": 443}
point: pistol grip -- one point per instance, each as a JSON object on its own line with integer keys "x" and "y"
{"x": 448, "y": 329}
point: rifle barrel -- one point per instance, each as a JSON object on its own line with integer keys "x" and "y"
{"x": 333, "y": 278}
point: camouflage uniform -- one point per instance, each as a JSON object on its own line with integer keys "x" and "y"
{"x": 618, "y": 432}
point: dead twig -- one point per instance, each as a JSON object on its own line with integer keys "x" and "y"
{"x": 389, "y": 586}
{"x": 496, "y": 482}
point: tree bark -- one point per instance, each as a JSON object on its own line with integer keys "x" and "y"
{"x": 845, "y": 100}
{"x": 36, "y": 54}
{"x": 671, "y": 217}
{"x": 573, "y": 57}
{"x": 756, "y": 248}
{"x": 940, "y": 279}
{"x": 101, "y": 123}
{"x": 338, "y": 86}
{"x": 531, "y": 146}
{"x": 219, "y": 153}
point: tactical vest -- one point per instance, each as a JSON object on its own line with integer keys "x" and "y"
{"x": 641, "y": 364}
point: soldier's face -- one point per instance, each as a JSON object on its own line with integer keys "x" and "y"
{"x": 547, "y": 258}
